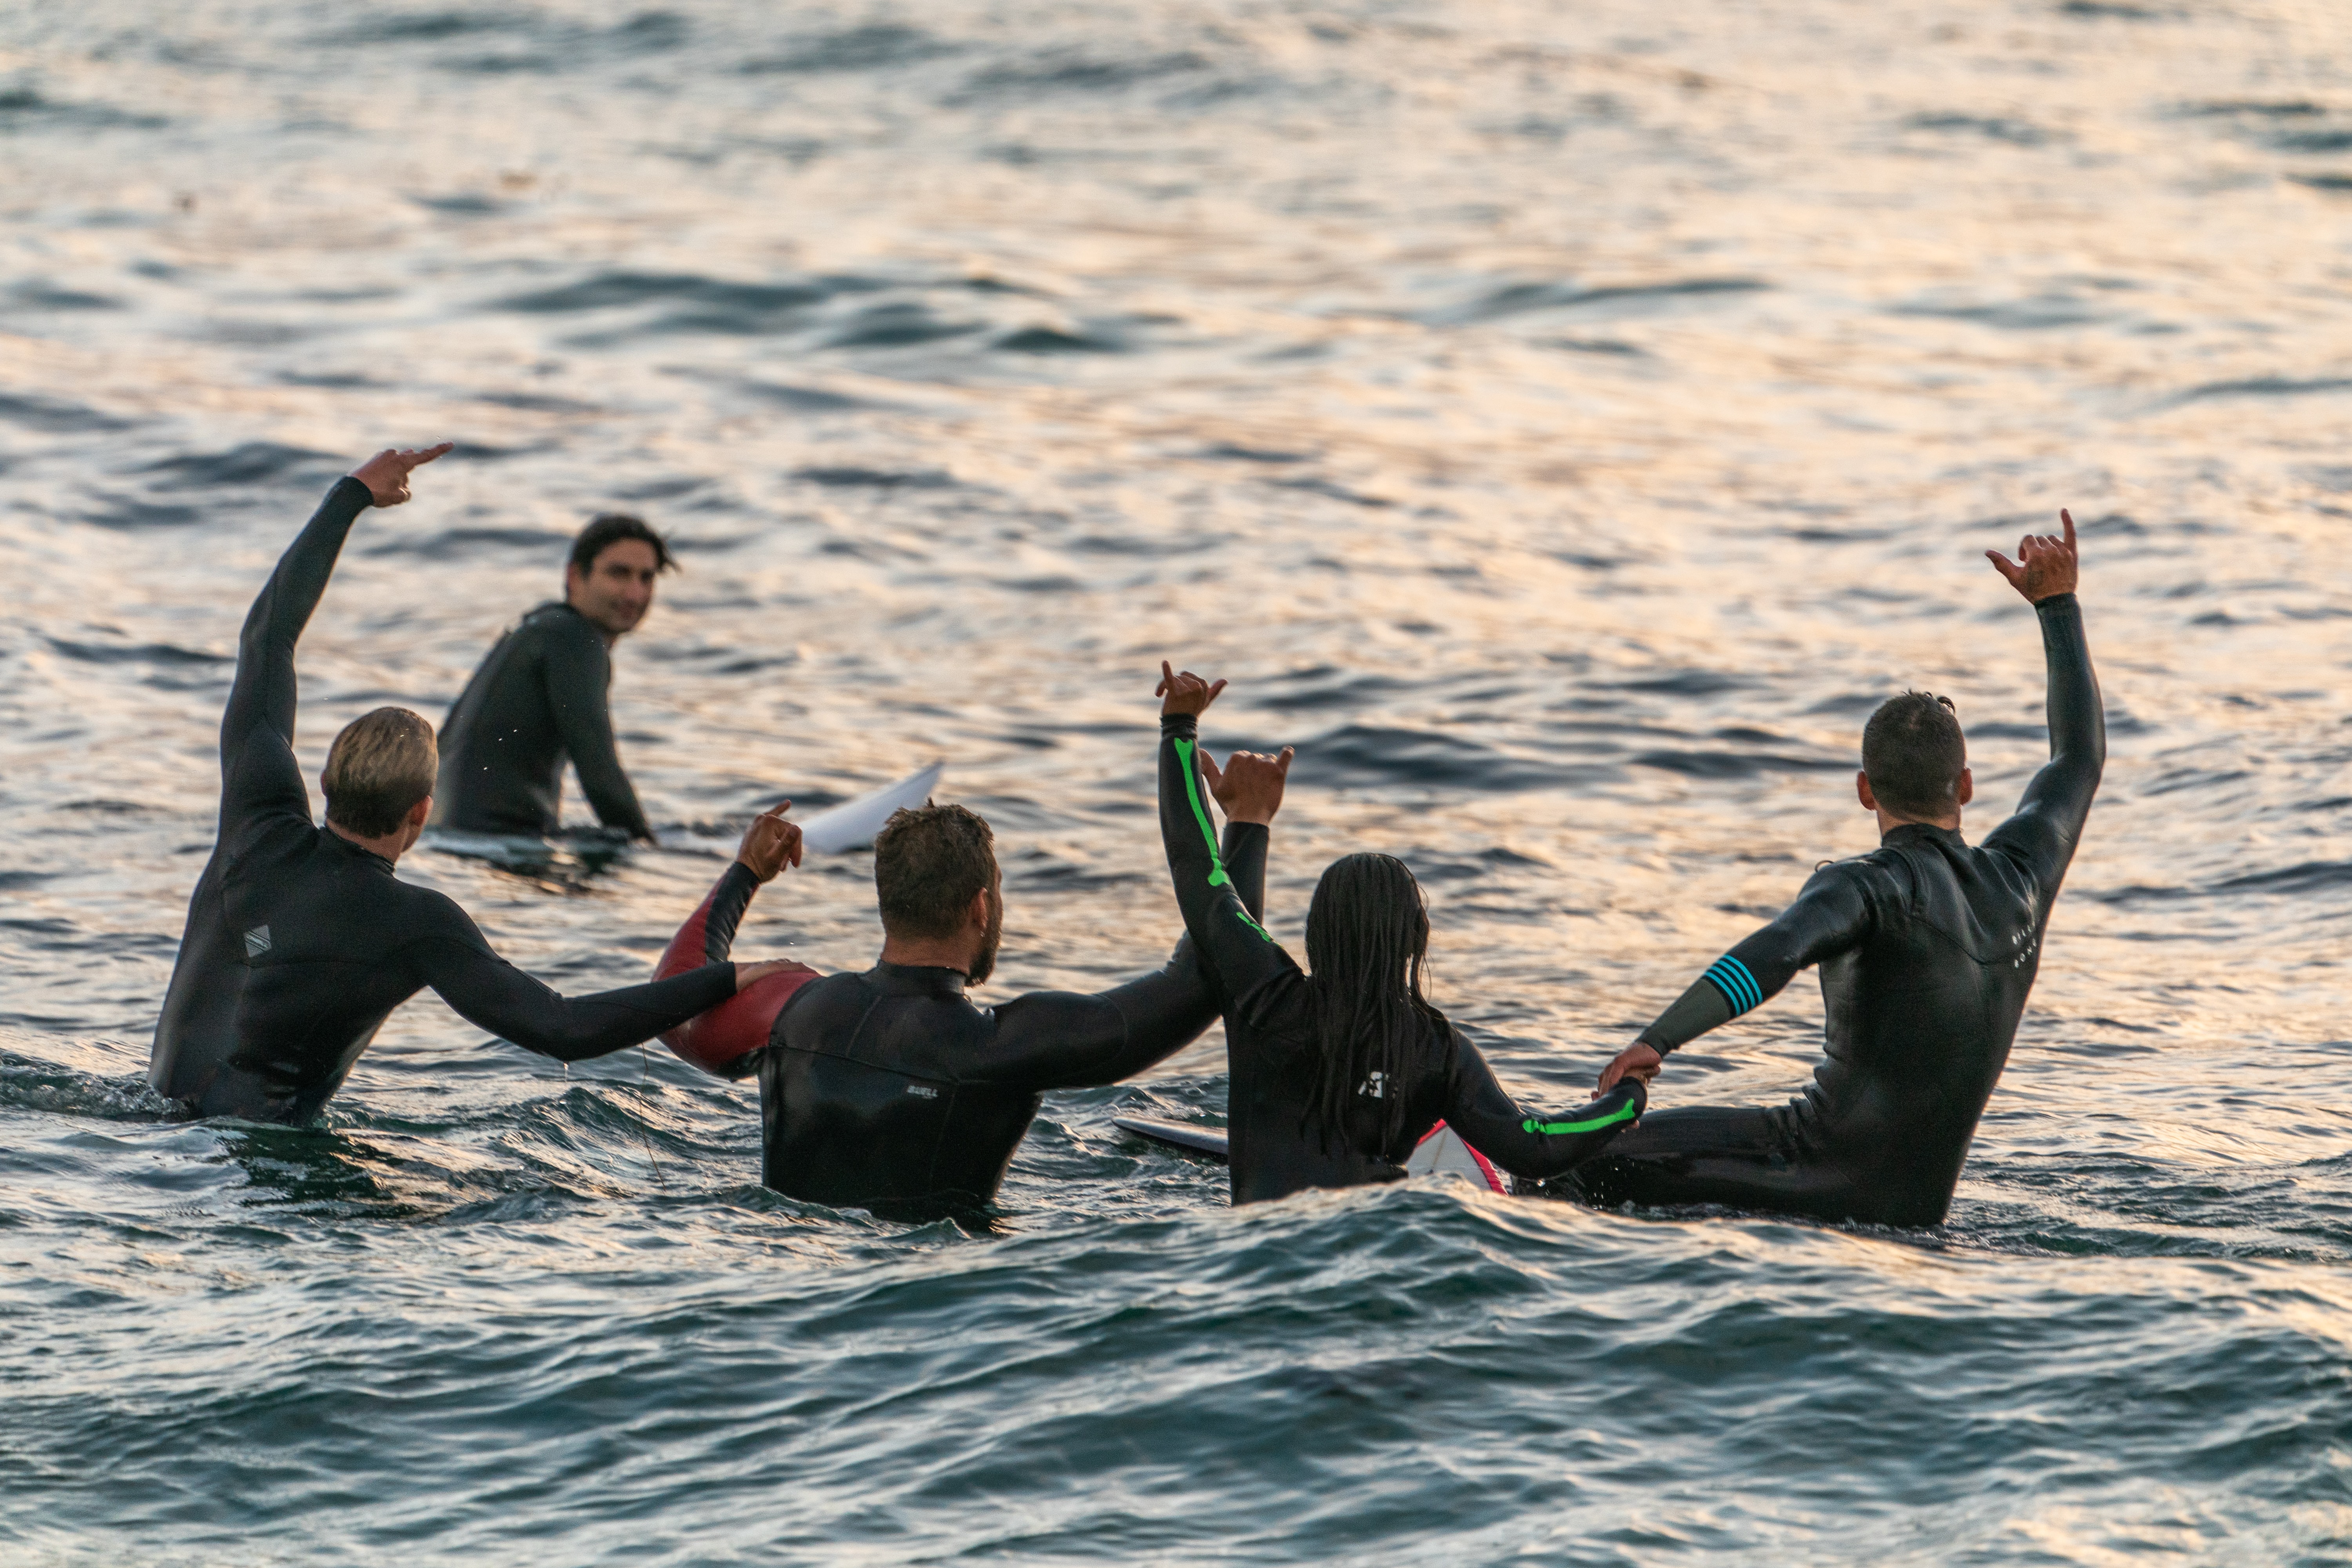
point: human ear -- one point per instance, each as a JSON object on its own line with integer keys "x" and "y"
{"x": 1967, "y": 791}
{"x": 1861, "y": 791}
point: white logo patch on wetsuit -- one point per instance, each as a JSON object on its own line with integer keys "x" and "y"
{"x": 256, "y": 941}
{"x": 1377, "y": 1086}
{"x": 922, "y": 1089}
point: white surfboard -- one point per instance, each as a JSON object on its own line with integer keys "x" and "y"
{"x": 854, "y": 824}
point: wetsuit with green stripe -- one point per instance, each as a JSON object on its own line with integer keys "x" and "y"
{"x": 1272, "y": 1044}
{"x": 1927, "y": 948}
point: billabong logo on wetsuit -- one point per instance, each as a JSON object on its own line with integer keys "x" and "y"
{"x": 923, "y": 1091}
{"x": 1377, "y": 1086}
{"x": 256, "y": 941}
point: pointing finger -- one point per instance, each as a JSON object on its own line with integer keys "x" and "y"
{"x": 2067, "y": 519}
{"x": 1167, "y": 679}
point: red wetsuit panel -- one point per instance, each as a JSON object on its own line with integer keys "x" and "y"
{"x": 718, "y": 1041}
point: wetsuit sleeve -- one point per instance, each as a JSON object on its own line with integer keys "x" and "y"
{"x": 579, "y": 694}
{"x": 2049, "y": 820}
{"x": 1059, "y": 1039}
{"x": 709, "y": 934}
{"x": 1239, "y": 955}
{"x": 491, "y": 993}
{"x": 258, "y": 773}
{"x": 1537, "y": 1147}
{"x": 1832, "y": 914}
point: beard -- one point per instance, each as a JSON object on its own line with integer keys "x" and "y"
{"x": 983, "y": 963}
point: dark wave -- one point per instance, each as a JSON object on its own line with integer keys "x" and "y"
{"x": 35, "y": 412}
{"x": 2263, "y": 387}
{"x": 1992, "y": 128}
{"x": 1520, "y": 299}
{"x": 877, "y": 47}
{"x": 247, "y": 463}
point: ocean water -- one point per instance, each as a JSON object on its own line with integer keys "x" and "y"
{"x": 1561, "y": 422}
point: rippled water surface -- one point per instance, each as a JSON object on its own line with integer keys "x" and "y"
{"x": 1562, "y": 422}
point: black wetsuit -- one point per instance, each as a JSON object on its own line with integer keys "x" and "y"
{"x": 1272, "y": 1044}
{"x": 1927, "y": 948}
{"x": 541, "y": 696}
{"x": 300, "y": 942}
{"x": 891, "y": 1090}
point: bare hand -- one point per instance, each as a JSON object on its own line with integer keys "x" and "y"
{"x": 2045, "y": 564}
{"x": 1185, "y": 693}
{"x": 386, "y": 474}
{"x": 771, "y": 842}
{"x": 1249, "y": 786}
{"x": 749, "y": 974}
{"x": 1636, "y": 1062}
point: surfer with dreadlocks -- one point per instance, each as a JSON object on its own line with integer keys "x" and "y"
{"x": 1336, "y": 1074}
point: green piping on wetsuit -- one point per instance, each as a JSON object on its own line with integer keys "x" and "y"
{"x": 1591, "y": 1124}
{"x": 1186, "y": 753}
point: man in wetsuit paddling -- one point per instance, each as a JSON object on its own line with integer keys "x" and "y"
{"x": 1927, "y": 948}
{"x": 890, "y": 1089}
{"x": 300, "y": 939}
{"x": 542, "y": 694}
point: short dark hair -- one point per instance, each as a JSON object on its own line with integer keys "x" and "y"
{"x": 608, "y": 529}
{"x": 379, "y": 766}
{"x": 928, "y": 861}
{"x": 1914, "y": 753}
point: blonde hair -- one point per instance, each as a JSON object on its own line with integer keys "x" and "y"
{"x": 377, "y": 770}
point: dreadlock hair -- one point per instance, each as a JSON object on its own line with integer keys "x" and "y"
{"x": 1367, "y": 934}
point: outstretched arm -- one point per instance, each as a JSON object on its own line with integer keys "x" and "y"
{"x": 491, "y": 993}
{"x": 579, "y": 690}
{"x": 258, "y": 773}
{"x": 1537, "y": 1147}
{"x": 1832, "y": 914}
{"x": 1062, "y": 1039}
{"x": 2049, "y": 820}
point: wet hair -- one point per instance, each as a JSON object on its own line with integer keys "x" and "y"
{"x": 1367, "y": 936}
{"x": 608, "y": 529}
{"x": 928, "y": 861}
{"x": 1914, "y": 753}
{"x": 378, "y": 769}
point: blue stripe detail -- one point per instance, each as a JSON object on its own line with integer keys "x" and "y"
{"x": 1731, "y": 977}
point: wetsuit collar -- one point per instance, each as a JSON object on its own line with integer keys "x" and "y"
{"x": 360, "y": 851}
{"x": 916, "y": 979}
{"x": 1924, "y": 832}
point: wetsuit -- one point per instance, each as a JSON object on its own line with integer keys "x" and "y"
{"x": 1273, "y": 1049}
{"x": 889, "y": 1090}
{"x": 540, "y": 697}
{"x": 1927, "y": 948}
{"x": 300, "y": 942}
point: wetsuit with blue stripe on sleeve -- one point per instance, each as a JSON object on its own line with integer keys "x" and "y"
{"x": 1272, "y": 1044}
{"x": 1927, "y": 949}
{"x": 300, "y": 943}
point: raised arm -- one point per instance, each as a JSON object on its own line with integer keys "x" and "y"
{"x": 258, "y": 773}
{"x": 1239, "y": 953}
{"x": 1832, "y": 914}
{"x": 579, "y": 673}
{"x": 2049, "y": 820}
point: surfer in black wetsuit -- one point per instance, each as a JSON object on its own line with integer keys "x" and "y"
{"x": 300, "y": 939}
{"x": 1927, "y": 948}
{"x": 1335, "y": 1077}
{"x": 542, "y": 694}
{"x": 890, "y": 1089}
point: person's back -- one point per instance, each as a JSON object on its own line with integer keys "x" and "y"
{"x": 542, "y": 697}
{"x": 300, "y": 938}
{"x": 1335, "y": 1078}
{"x": 889, "y": 1088}
{"x": 1927, "y": 948}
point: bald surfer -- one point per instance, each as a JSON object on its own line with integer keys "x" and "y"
{"x": 891, "y": 1089}
{"x": 541, "y": 697}
{"x": 1927, "y": 948}
{"x": 300, "y": 939}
